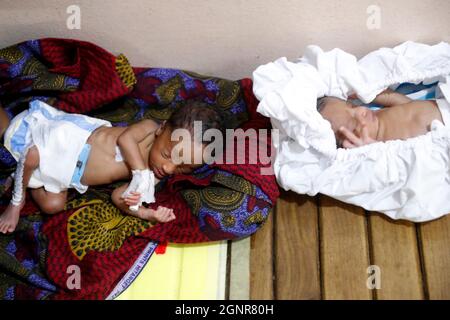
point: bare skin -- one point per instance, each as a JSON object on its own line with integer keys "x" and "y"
{"x": 10, "y": 217}
{"x": 402, "y": 118}
{"x": 143, "y": 145}
{"x": 4, "y": 121}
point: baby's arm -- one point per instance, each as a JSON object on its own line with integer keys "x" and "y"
{"x": 129, "y": 140}
{"x": 161, "y": 214}
{"x": 128, "y": 143}
{"x": 389, "y": 98}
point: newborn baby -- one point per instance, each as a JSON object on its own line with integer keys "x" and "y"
{"x": 401, "y": 118}
{"x": 57, "y": 151}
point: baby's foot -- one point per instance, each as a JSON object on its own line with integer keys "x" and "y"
{"x": 10, "y": 218}
{"x": 162, "y": 215}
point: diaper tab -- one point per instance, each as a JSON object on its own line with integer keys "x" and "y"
{"x": 79, "y": 169}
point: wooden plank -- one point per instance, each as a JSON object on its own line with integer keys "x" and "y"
{"x": 344, "y": 250}
{"x": 297, "y": 248}
{"x": 261, "y": 262}
{"x": 435, "y": 238}
{"x": 395, "y": 251}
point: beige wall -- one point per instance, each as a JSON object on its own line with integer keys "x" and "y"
{"x": 227, "y": 38}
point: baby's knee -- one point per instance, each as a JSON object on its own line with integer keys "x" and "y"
{"x": 4, "y": 121}
{"x": 52, "y": 205}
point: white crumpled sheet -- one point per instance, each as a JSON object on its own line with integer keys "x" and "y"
{"x": 405, "y": 179}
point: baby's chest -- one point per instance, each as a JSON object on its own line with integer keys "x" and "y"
{"x": 412, "y": 121}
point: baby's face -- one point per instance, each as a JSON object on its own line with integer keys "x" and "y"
{"x": 160, "y": 158}
{"x": 345, "y": 114}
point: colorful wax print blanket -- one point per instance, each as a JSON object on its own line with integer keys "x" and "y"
{"x": 91, "y": 236}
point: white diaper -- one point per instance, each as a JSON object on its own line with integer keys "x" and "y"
{"x": 444, "y": 108}
{"x": 59, "y": 137}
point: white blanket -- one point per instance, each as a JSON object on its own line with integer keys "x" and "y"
{"x": 405, "y": 179}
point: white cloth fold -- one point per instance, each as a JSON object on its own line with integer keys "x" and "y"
{"x": 143, "y": 182}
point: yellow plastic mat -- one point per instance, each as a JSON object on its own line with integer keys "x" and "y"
{"x": 193, "y": 271}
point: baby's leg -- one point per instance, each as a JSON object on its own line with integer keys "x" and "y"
{"x": 49, "y": 202}
{"x": 25, "y": 167}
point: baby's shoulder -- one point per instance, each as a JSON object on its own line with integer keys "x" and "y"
{"x": 148, "y": 124}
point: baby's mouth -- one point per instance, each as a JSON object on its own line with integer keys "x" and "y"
{"x": 158, "y": 173}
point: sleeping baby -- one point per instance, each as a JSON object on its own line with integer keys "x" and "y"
{"x": 401, "y": 118}
{"x": 57, "y": 151}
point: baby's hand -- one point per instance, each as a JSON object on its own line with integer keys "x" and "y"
{"x": 161, "y": 214}
{"x": 132, "y": 199}
{"x": 352, "y": 141}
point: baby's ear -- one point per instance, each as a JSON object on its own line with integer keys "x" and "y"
{"x": 161, "y": 128}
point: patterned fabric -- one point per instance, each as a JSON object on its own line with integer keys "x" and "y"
{"x": 95, "y": 225}
{"x": 22, "y": 262}
{"x": 219, "y": 201}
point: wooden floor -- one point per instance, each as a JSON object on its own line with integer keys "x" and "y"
{"x": 320, "y": 248}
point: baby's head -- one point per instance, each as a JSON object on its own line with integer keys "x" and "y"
{"x": 341, "y": 113}
{"x": 161, "y": 160}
